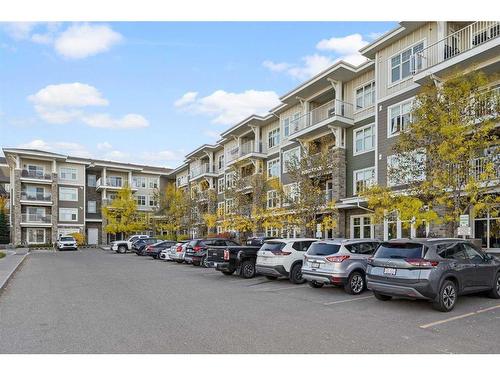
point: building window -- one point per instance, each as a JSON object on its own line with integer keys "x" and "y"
{"x": 221, "y": 206}
{"x": 399, "y": 117}
{"x": 365, "y": 96}
{"x": 272, "y": 199}
{"x": 292, "y": 193}
{"x": 68, "y": 194}
{"x": 91, "y": 207}
{"x": 220, "y": 185}
{"x": 364, "y": 139}
{"x": 68, "y": 174}
{"x": 153, "y": 183}
{"x": 406, "y": 62}
{"x": 273, "y": 138}
{"x": 273, "y": 168}
{"x": 290, "y": 158}
{"x": 141, "y": 200}
{"x": 229, "y": 206}
{"x": 220, "y": 162}
{"x": 363, "y": 179}
{"x": 68, "y": 214}
{"x": 361, "y": 226}
{"x": 230, "y": 180}
{"x": 152, "y": 201}
{"x": 272, "y": 232}
{"x": 487, "y": 228}
{"x": 291, "y": 124}
{"x": 35, "y": 236}
{"x": 91, "y": 180}
{"x": 417, "y": 163}
{"x": 114, "y": 181}
{"x": 139, "y": 182}
{"x": 35, "y": 170}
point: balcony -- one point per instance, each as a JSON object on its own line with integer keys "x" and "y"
{"x": 36, "y": 219}
{"x": 246, "y": 149}
{"x": 334, "y": 112}
{"x": 110, "y": 183}
{"x": 470, "y": 45}
{"x": 202, "y": 170}
{"x": 36, "y": 175}
{"x": 182, "y": 181}
{"x": 479, "y": 167}
{"x": 36, "y": 198}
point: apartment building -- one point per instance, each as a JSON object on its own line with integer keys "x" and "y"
{"x": 53, "y": 194}
{"x": 357, "y": 112}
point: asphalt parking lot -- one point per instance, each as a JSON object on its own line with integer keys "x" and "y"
{"x": 95, "y": 301}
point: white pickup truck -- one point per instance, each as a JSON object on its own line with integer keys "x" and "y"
{"x": 122, "y": 247}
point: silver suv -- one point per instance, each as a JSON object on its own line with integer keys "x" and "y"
{"x": 438, "y": 270}
{"x": 338, "y": 262}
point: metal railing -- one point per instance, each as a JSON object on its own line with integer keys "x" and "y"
{"x": 181, "y": 181}
{"x": 328, "y": 110}
{"x": 36, "y": 175}
{"x": 463, "y": 40}
{"x": 363, "y": 113}
{"x": 479, "y": 167}
{"x": 245, "y": 148}
{"x": 36, "y": 197}
{"x": 110, "y": 182}
{"x": 201, "y": 169}
{"x": 36, "y": 218}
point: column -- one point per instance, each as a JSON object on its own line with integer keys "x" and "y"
{"x": 16, "y": 207}
{"x": 55, "y": 201}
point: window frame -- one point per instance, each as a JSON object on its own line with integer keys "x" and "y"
{"x": 36, "y": 230}
{"x": 275, "y": 199}
{"x": 271, "y": 135}
{"x": 68, "y": 179}
{"x": 362, "y": 226}
{"x": 354, "y": 181}
{"x": 400, "y": 104}
{"x": 221, "y": 187}
{"x": 272, "y": 162}
{"x": 287, "y": 152}
{"x": 94, "y": 183}
{"x": 362, "y": 129}
{"x": 74, "y": 211}
{"x": 137, "y": 197}
{"x": 373, "y": 86}
{"x": 94, "y": 211}
{"x": 288, "y": 121}
{"x": 74, "y": 189}
{"x": 392, "y": 83}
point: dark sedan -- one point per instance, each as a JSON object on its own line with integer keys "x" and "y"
{"x": 140, "y": 246}
{"x": 154, "y": 250}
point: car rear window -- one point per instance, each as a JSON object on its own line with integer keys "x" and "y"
{"x": 399, "y": 250}
{"x": 193, "y": 243}
{"x": 67, "y": 238}
{"x": 321, "y": 248}
{"x": 272, "y": 246}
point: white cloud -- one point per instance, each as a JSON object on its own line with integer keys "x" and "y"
{"x": 67, "y": 102}
{"x": 185, "y": 99}
{"x": 228, "y": 108}
{"x": 104, "y": 120}
{"x": 80, "y": 41}
{"x": 332, "y": 50}
{"x": 275, "y": 67}
{"x": 19, "y": 30}
{"x": 104, "y": 146}
{"x": 75, "y": 149}
{"x": 116, "y": 155}
{"x": 212, "y": 134}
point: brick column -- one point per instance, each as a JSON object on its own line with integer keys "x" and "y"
{"x": 55, "y": 207}
{"x": 338, "y": 173}
{"x": 16, "y": 208}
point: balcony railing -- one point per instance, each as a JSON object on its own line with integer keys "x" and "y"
{"x": 36, "y": 175}
{"x": 246, "y": 148}
{"x": 36, "y": 197}
{"x": 201, "y": 169}
{"x": 325, "y": 111}
{"x": 479, "y": 167}
{"x": 36, "y": 218}
{"x": 109, "y": 182}
{"x": 461, "y": 41}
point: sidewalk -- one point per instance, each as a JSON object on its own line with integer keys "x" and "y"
{"x": 10, "y": 264}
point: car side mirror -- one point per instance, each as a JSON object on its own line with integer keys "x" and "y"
{"x": 488, "y": 257}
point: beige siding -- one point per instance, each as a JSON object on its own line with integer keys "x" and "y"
{"x": 80, "y": 173}
{"x": 47, "y": 165}
{"x": 426, "y": 33}
{"x": 351, "y": 86}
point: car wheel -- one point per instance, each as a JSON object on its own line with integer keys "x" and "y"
{"x": 179, "y": 261}
{"x": 495, "y": 292}
{"x": 247, "y": 269}
{"x": 122, "y": 249}
{"x": 296, "y": 274}
{"x": 355, "y": 283}
{"x": 315, "y": 284}
{"x": 271, "y": 277}
{"x": 204, "y": 262}
{"x": 447, "y": 297}
{"x": 228, "y": 273}
{"x": 382, "y": 297}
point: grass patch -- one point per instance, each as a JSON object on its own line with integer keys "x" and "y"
{"x": 2, "y": 254}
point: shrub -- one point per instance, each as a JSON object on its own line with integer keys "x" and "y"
{"x": 80, "y": 238}
{"x": 2, "y": 254}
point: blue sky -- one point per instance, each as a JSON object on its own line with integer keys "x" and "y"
{"x": 152, "y": 92}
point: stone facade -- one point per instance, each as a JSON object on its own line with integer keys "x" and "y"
{"x": 16, "y": 208}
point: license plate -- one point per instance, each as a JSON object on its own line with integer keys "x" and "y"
{"x": 315, "y": 265}
{"x": 215, "y": 264}
{"x": 389, "y": 271}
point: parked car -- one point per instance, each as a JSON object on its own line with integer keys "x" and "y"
{"x": 196, "y": 250}
{"x": 228, "y": 259}
{"x": 139, "y": 246}
{"x": 438, "y": 270}
{"x": 155, "y": 249}
{"x": 122, "y": 247}
{"x": 283, "y": 257}
{"x": 165, "y": 253}
{"x": 339, "y": 262}
{"x": 66, "y": 243}
{"x": 178, "y": 254}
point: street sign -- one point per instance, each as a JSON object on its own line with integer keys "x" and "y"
{"x": 464, "y": 220}
{"x": 464, "y": 231}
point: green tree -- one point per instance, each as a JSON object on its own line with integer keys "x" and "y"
{"x": 121, "y": 214}
{"x": 4, "y": 223}
{"x": 439, "y": 164}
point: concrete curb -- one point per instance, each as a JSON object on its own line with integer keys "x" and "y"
{"x": 4, "y": 283}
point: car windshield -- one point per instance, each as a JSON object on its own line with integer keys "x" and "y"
{"x": 67, "y": 239}
{"x": 399, "y": 250}
{"x": 321, "y": 248}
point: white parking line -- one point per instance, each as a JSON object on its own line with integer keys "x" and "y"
{"x": 346, "y": 300}
{"x": 276, "y": 289}
{"x": 459, "y": 317}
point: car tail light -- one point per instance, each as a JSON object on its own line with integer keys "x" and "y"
{"x": 197, "y": 248}
{"x": 179, "y": 249}
{"x": 337, "y": 258}
{"x": 281, "y": 252}
{"x": 149, "y": 247}
{"x": 418, "y": 262}
{"x": 226, "y": 254}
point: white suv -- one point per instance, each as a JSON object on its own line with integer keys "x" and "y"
{"x": 122, "y": 247}
{"x": 283, "y": 257}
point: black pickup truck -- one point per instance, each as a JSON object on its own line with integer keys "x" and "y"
{"x": 240, "y": 259}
